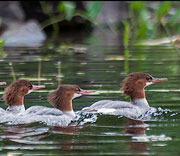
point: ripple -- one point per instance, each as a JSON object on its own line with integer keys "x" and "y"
{"x": 152, "y": 138}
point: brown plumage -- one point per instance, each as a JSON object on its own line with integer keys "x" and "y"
{"x": 135, "y": 83}
{"x": 14, "y": 94}
{"x": 61, "y": 98}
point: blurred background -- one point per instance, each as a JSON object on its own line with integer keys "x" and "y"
{"x": 93, "y": 44}
{"x": 128, "y": 21}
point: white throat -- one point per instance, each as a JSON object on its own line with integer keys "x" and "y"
{"x": 16, "y": 109}
{"x": 141, "y": 103}
{"x": 29, "y": 91}
{"x": 148, "y": 83}
{"x": 76, "y": 95}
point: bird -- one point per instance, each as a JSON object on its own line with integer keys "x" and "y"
{"x": 133, "y": 86}
{"x": 62, "y": 114}
{"x": 15, "y": 92}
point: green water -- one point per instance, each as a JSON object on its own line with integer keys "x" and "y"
{"x": 93, "y": 65}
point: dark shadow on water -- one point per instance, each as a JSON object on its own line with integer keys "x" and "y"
{"x": 136, "y": 128}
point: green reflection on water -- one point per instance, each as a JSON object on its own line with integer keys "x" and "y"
{"x": 100, "y": 68}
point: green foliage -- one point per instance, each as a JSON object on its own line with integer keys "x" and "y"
{"x": 162, "y": 9}
{"x": 2, "y": 53}
{"x": 174, "y": 19}
{"x": 68, "y": 8}
{"x": 126, "y": 64}
{"x": 1, "y": 40}
{"x": 46, "y": 9}
{"x": 126, "y": 42}
{"x": 1, "y": 44}
{"x": 148, "y": 23}
{"x": 126, "y": 33}
{"x": 140, "y": 18}
{"x": 93, "y": 9}
{"x": 144, "y": 23}
{"x": 135, "y": 6}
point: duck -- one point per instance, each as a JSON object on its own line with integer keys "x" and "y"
{"x": 61, "y": 99}
{"x": 133, "y": 86}
{"x": 15, "y": 92}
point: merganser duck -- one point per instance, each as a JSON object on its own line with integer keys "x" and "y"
{"x": 14, "y": 95}
{"x": 61, "y": 99}
{"x": 132, "y": 86}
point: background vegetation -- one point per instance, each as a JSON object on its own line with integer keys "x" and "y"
{"x": 146, "y": 19}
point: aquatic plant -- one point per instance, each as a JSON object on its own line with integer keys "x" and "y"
{"x": 147, "y": 19}
{"x": 2, "y": 52}
{"x": 126, "y": 42}
{"x": 12, "y": 71}
{"x": 1, "y": 44}
{"x": 67, "y": 10}
{"x": 126, "y": 33}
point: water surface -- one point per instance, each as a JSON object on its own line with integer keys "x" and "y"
{"x": 100, "y": 66}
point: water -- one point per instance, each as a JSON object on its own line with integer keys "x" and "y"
{"x": 94, "y": 65}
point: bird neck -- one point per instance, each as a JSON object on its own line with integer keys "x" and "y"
{"x": 17, "y": 101}
{"x": 65, "y": 105}
{"x": 16, "y": 108}
{"x": 141, "y": 102}
{"x": 138, "y": 94}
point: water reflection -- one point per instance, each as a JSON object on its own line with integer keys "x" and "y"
{"x": 68, "y": 144}
{"x": 24, "y": 133}
{"x": 72, "y": 138}
{"x": 136, "y": 128}
{"x": 66, "y": 130}
{"x": 99, "y": 67}
{"x": 140, "y": 141}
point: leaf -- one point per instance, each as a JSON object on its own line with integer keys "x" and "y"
{"x": 136, "y": 5}
{"x": 68, "y": 8}
{"x": 93, "y": 8}
{"x": 2, "y": 43}
{"x": 126, "y": 33}
{"x": 163, "y": 9}
{"x": 175, "y": 18}
{"x": 61, "y": 7}
{"x": 144, "y": 24}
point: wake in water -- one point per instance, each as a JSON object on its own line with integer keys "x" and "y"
{"x": 83, "y": 118}
{"x": 158, "y": 114}
{"x": 54, "y": 117}
{"x": 47, "y": 116}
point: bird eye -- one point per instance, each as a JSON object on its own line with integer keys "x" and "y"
{"x": 30, "y": 86}
{"x": 148, "y": 78}
{"x": 78, "y": 90}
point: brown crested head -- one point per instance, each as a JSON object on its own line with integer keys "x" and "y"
{"x": 134, "y": 82}
{"x": 63, "y": 95}
{"x": 16, "y": 90}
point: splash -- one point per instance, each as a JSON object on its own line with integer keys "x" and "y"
{"x": 84, "y": 117}
{"x": 158, "y": 114}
